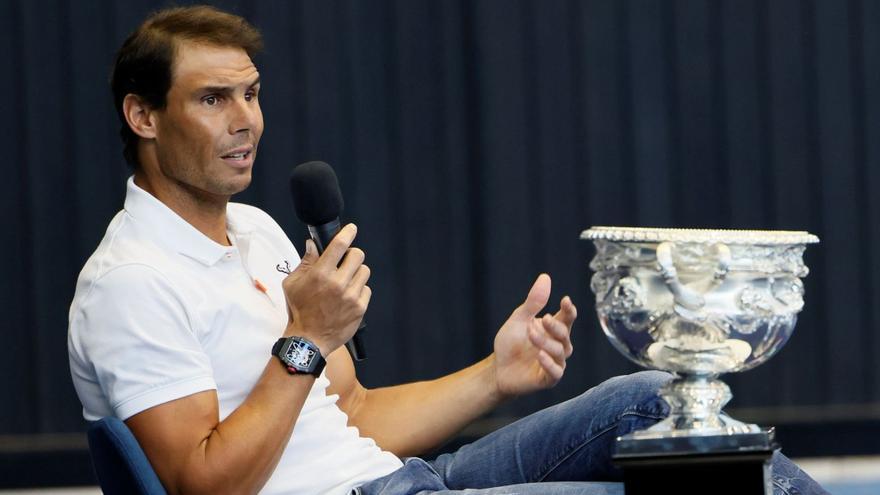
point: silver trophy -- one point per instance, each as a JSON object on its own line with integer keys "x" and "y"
{"x": 697, "y": 303}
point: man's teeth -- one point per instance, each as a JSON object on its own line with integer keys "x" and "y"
{"x": 237, "y": 156}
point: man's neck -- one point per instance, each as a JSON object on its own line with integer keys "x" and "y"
{"x": 204, "y": 212}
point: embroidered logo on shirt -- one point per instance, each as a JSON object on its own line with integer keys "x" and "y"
{"x": 284, "y": 269}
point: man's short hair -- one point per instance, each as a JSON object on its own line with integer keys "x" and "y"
{"x": 144, "y": 63}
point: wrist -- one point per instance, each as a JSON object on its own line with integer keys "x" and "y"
{"x": 294, "y": 330}
{"x": 497, "y": 394}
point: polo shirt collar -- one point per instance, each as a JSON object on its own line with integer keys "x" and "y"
{"x": 175, "y": 232}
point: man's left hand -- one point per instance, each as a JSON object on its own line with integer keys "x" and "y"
{"x": 530, "y": 352}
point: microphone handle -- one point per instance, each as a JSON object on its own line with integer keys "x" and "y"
{"x": 322, "y": 235}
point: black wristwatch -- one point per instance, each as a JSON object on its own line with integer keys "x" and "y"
{"x": 299, "y": 355}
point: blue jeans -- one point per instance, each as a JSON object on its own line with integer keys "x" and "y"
{"x": 564, "y": 449}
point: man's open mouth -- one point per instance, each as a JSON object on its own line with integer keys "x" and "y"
{"x": 238, "y": 156}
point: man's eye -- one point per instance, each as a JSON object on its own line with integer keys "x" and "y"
{"x": 250, "y": 95}
{"x": 210, "y": 100}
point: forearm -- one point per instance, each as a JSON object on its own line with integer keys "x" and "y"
{"x": 417, "y": 417}
{"x": 236, "y": 455}
{"x": 247, "y": 445}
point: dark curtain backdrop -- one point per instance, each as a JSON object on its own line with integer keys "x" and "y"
{"x": 474, "y": 140}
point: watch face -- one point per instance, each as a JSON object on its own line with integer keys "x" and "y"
{"x": 300, "y": 354}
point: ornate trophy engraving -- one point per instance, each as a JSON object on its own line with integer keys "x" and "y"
{"x": 697, "y": 303}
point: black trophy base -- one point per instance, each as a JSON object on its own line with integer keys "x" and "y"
{"x": 723, "y": 464}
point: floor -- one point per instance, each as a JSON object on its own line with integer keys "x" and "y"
{"x": 845, "y": 475}
{"x": 839, "y": 475}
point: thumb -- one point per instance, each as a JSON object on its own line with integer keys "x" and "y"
{"x": 538, "y": 296}
{"x": 311, "y": 255}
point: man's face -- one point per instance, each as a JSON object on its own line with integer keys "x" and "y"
{"x": 207, "y": 135}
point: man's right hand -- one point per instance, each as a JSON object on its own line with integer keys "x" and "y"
{"x": 326, "y": 299}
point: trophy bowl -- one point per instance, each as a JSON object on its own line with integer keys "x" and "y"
{"x": 697, "y": 303}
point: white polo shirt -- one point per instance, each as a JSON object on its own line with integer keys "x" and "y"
{"x": 161, "y": 312}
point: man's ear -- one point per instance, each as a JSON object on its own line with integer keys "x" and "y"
{"x": 140, "y": 117}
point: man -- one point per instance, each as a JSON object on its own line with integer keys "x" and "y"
{"x": 182, "y": 326}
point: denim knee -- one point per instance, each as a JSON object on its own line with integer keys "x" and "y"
{"x": 622, "y": 403}
{"x": 639, "y": 391}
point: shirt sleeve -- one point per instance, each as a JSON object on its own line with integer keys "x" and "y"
{"x": 135, "y": 331}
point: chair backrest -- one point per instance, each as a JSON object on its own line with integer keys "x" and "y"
{"x": 120, "y": 463}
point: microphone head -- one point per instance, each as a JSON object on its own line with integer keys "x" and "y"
{"x": 316, "y": 195}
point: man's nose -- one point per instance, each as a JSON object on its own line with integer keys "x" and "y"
{"x": 244, "y": 117}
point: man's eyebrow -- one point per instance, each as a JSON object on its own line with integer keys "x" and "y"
{"x": 225, "y": 89}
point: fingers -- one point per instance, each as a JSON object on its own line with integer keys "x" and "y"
{"x": 551, "y": 367}
{"x": 358, "y": 292}
{"x": 544, "y": 336}
{"x": 559, "y": 332}
{"x": 551, "y": 352}
{"x": 366, "y": 294}
{"x": 311, "y": 254}
{"x": 337, "y": 248}
{"x": 567, "y": 312}
{"x": 560, "y": 325}
{"x": 359, "y": 280}
{"x": 351, "y": 263}
{"x": 538, "y": 296}
{"x": 356, "y": 289}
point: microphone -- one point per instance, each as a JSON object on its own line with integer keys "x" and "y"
{"x": 318, "y": 204}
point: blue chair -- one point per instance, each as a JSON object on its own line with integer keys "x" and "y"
{"x": 120, "y": 463}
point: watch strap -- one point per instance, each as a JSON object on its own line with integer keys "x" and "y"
{"x": 276, "y": 349}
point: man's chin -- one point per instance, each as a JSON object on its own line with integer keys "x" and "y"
{"x": 227, "y": 186}
{"x": 237, "y": 185}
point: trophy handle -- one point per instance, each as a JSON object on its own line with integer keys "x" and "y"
{"x": 684, "y": 296}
